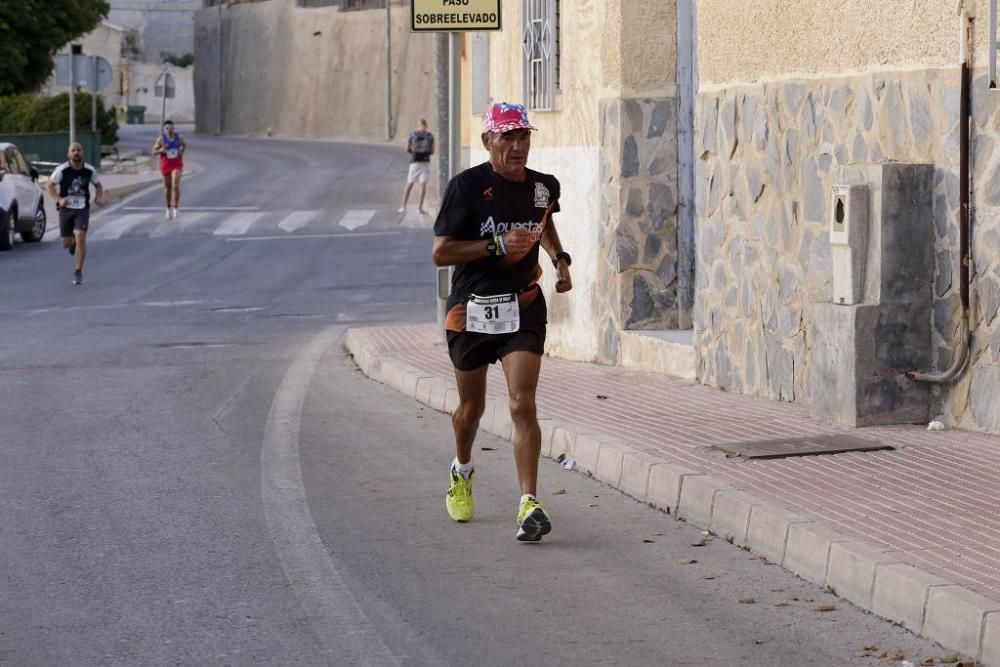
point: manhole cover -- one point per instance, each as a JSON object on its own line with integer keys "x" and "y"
{"x": 810, "y": 446}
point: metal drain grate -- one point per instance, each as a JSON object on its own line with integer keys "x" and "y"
{"x": 811, "y": 446}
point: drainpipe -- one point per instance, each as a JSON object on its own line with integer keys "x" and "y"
{"x": 965, "y": 257}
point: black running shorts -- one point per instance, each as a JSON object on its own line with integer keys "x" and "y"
{"x": 71, "y": 220}
{"x": 470, "y": 351}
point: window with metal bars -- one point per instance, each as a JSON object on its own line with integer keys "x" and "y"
{"x": 541, "y": 54}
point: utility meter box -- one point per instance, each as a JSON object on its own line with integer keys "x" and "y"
{"x": 849, "y": 242}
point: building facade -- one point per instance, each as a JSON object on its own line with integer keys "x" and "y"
{"x": 765, "y": 111}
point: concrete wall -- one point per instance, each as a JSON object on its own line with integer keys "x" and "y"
{"x": 787, "y": 99}
{"x": 309, "y": 72}
{"x": 164, "y": 26}
{"x": 105, "y": 41}
{"x": 142, "y": 86}
{"x": 611, "y": 141}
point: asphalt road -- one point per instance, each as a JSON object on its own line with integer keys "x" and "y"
{"x": 195, "y": 473}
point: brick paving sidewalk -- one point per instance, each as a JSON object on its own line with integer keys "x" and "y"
{"x": 932, "y": 503}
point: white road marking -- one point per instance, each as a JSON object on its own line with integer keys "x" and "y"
{"x": 116, "y": 228}
{"x": 195, "y": 208}
{"x": 312, "y": 236}
{"x": 297, "y": 220}
{"x": 338, "y": 620}
{"x": 238, "y": 224}
{"x": 354, "y": 219}
{"x": 178, "y": 225}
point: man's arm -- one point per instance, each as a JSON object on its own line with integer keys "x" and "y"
{"x": 99, "y": 193}
{"x": 158, "y": 146}
{"x": 450, "y": 251}
{"x": 184, "y": 147}
{"x": 553, "y": 246}
{"x": 54, "y": 180}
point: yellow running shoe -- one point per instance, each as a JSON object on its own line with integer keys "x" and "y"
{"x": 532, "y": 521}
{"x": 459, "y": 498}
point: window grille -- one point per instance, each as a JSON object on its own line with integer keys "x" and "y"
{"x": 541, "y": 54}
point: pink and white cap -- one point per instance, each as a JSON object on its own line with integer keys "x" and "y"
{"x": 503, "y": 117}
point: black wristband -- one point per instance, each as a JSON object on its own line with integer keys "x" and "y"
{"x": 562, "y": 255}
{"x": 492, "y": 249}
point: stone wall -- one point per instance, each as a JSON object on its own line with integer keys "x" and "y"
{"x": 767, "y": 158}
{"x": 637, "y": 236}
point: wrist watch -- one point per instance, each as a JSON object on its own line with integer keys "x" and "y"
{"x": 562, "y": 255}
{"x": 492, "y": 248}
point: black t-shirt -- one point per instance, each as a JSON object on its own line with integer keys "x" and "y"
{"x": 478, "y": 204}
{"x": 421, "y": 146}
{"x": 74, "y": 184}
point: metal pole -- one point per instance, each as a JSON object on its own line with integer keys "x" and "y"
{"x": 93, "y": 95}
{"x": 72, "y": 93}
{"x": 441, "y": 118}
{"x": 163, "y": 102}
{"x": 222, "y": 76}
{"x": 455, "y": 103}
{"x": 388, "y": 69}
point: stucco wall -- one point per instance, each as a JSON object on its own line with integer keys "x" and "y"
{"x": 782, "y": 38}
{"x": 770, "y": 151}
{"x": 617, "y": 84}
{"x": 310, "y": 72}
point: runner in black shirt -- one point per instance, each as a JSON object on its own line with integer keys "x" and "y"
{"x": 493, "y": 218}
{"x": 74, "y": 179}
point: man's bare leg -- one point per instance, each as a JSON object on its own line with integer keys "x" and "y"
{"x": 80, "y": 238}
{"x": 471, "y": 405}
{"x": 521, "y": 370}
{"x": 423, "y": 196}
{"x": 175, "y": 180}
{"x": 168, "y": 191}
{"x": 406, "y": 195}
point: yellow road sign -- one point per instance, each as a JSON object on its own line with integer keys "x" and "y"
{"x": 454, "y": 15}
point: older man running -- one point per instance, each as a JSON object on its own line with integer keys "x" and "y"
{"x": 493, "y": 218}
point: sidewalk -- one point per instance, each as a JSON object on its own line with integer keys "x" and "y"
{"x": 912, "y": 535}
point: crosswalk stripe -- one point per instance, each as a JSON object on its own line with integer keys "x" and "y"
{"x": 354, "y": 219}
{"x": 297, "y": 220}
{"x": 182, "y": 223}
{"x": 122, "y": 225}
{"x": 238, "y": 224}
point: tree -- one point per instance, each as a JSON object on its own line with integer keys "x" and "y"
{"x": 33, "y": 31}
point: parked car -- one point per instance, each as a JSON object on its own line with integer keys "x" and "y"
{"x": 22, "y": 207}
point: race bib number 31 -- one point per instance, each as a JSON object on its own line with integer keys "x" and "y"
{"x": 497, "y": 314}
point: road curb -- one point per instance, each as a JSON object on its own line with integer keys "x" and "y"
{"x": 951, "y": 615}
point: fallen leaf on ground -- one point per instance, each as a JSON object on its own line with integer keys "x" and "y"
{"x": 658, "y": 534}
{"x": 747, "y": 601}
{"x": 488, "y": 449}
{"x": 602, "y": 397}
{"x": 690, "y": 562}
{"x": 710, "y": 577}
{"x": 647, "y": 541}
{"x": 783, "y": 603}
{"x": 895, "y": 655}
{"x": 593, "y": 504}
{"x": 560, "y": 492}
{"x": 826, "y": 607}
{"x": 732, "y": 455}
{"x": 699, "y": 543}
{"x": 948, "y": 659}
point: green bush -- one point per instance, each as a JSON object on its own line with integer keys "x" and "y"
{"x": 26, "y": 114}
{"x": 180, "y": 61}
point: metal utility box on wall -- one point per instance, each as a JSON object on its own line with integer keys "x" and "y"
{"x": 849, "y": 242}
{"x": 861, "y": 347}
